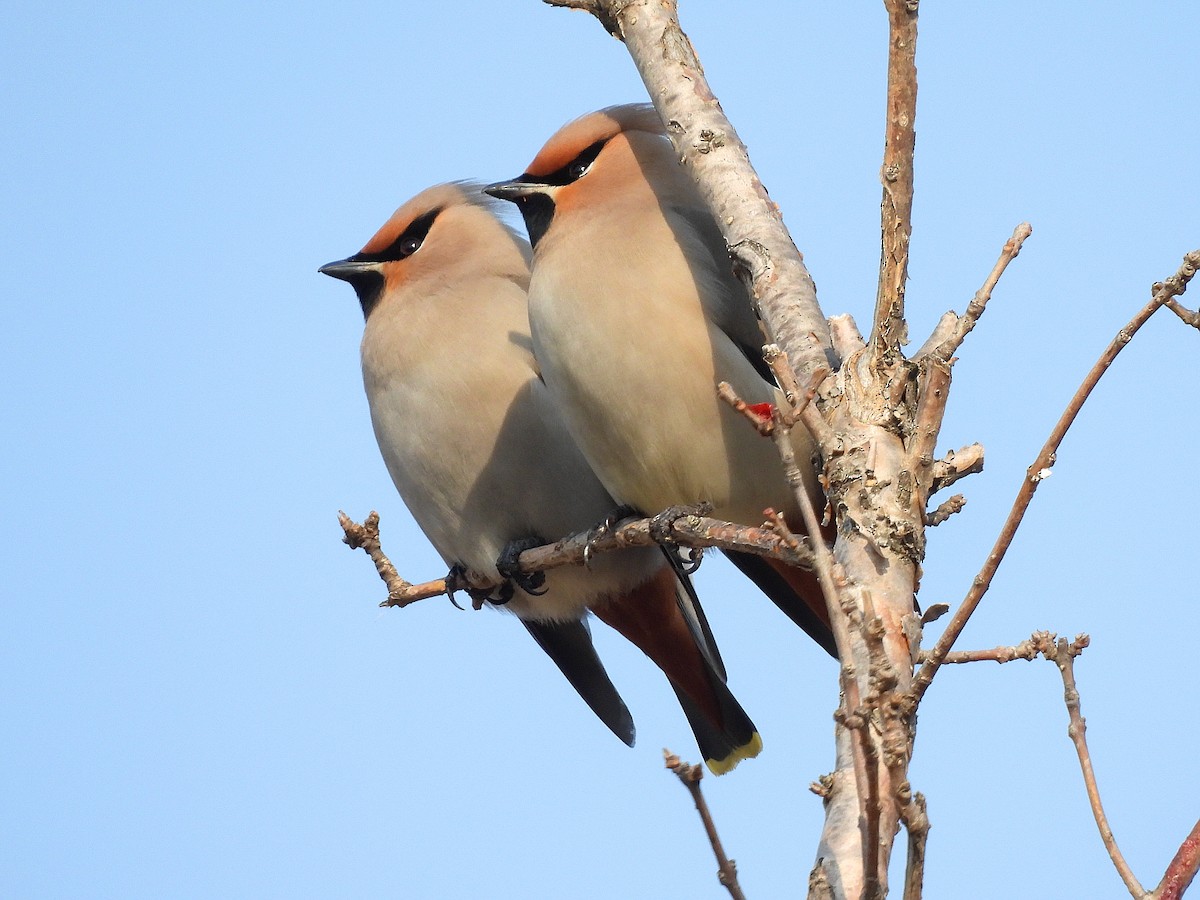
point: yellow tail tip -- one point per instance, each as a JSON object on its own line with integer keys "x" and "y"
{"x": 748, "y": 750}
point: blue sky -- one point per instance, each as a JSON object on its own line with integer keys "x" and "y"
{"x": 200, "y": 696}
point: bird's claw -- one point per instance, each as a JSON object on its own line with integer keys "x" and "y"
{"x": 689, "y": 564}
{"x": 456, "y": 580}
{"x": 661, "y": 524}
{"x": 607, "y": 524}
{"x": 530, "y": 582}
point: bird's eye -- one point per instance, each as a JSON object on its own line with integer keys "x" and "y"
{"x": 409, "y": 246}
{"x": 578, "y": 169}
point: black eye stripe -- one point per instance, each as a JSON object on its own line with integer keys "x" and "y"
{"x": 572, "y": 171}
{"x": 408, "y": 243}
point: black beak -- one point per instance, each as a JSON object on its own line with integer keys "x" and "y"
{"x": 348, "y": 269}
{"x": 513, "y": 190}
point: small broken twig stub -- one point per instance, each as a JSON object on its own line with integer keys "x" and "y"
{"x": 948, "y": 508}
{"x": 955, "y": 465}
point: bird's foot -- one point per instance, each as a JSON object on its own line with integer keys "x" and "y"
{"x": 606, "y": 525}
{"x": 530, "y": 582}
{"x": 661, "y": 524}
{"x": 456, "y": 580}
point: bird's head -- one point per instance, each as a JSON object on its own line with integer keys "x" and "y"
{"x": 600, "y": 154}
{"x": 434, "y": 235}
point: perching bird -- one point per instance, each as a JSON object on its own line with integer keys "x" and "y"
{"x": 636, "y": 316}
{"x": 481, "y": 459}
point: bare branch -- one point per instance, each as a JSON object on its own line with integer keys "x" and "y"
{"x": 916, "y": 821}
{"x": 1182, "y": 869}
{"x": 890, "y": 331}
{"x": 1041, "y": 468}
{"x": 400, "y": 592}
{"x": 933, "y": 394}
{"x": 753, "y": 412}
{"x": 842, "y": 611}
{"x": 799, "y": 400}
{"x": 947, "y": 348}
{"x": 764, "y": 256}
{"x": 1041, "y": 643}
{"x": 1064, "y": 658}
{"x": 693, "y": 531}
{"x": 1189, "y": 317}
{"x": 690, "y": 776}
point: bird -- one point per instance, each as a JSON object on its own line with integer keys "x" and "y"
{"x": 636, "y": 316}
{"x": 479, "y": 455}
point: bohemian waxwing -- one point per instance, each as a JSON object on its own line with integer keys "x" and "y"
{"x": 480, "y": 457}
{"x": 636, "y": 316}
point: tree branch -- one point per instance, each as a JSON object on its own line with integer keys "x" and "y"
{"x": 1188, "y": 317}
{"x": 1182, "y": 869}
{"x": 690, "y": 776}
{"x": 890, "y": 331}
{"x": 1064, "y": 658}
{"x": 1041, "y": 643}
{"x": 917, "y": 824}
{"x": 946, "y": 349}
{"x": 693, "y": 531}
{"x": 764, "y": 256}
{"x": 1041, "y": 469}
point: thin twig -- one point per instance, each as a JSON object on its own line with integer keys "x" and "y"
{"x": 799, "y": 401}
{"x": 1064, "y": 658}
{"x": 1040, "y": 643}
{"x": 945, "y": 350}
{"x": 1189, "y": 317}
{"x": 1040, "y": 470}
{"x": 753, "y": 412}
{"x": 690, "y": 776}
{"x": 366, "y": 537}
{"x": 777, "y": 524}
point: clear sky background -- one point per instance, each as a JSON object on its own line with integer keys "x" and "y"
{"x": 200, "y": 697}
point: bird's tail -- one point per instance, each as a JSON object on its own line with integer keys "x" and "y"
{"x": 663, "y": 618}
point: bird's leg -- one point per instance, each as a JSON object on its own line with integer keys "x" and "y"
{"x": 531, "y": 582}
{"x": 622, "y": 512}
